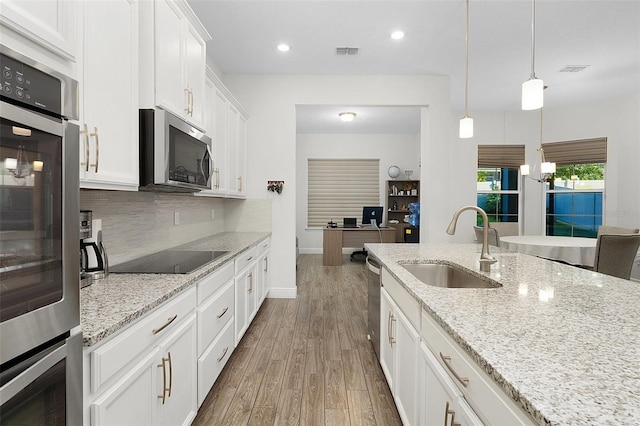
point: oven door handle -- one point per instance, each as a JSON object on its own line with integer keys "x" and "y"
{"x": 31, "y": 373}
{"x": 30, "y": 119}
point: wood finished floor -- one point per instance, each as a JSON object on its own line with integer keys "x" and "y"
{"x": 306, "y": 361}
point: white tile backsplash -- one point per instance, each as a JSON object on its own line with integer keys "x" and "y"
{"x": 135, "y": 224}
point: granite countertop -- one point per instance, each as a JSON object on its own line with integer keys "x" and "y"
{"x": 564, "y": 342}
{"x": 110, "y": 304}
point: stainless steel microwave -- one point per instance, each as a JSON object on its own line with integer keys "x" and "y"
{"x": 174, "y": 156}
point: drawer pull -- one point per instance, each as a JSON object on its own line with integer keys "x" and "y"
{"x": 249, "y": 258}
{"x": 169, "y": 321}
{"x": 223, "y": 312}
{"x": 447, "y": 362}
{"x": 223, "y": 354}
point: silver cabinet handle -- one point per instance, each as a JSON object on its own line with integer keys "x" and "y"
{"x": 170, "y": 373}
{"x": 223, "y": 312}
{"x": 186, "y": 92}
{"x": 390, "y": 322}
{"x": 447, "y": 362}
{"x": 190, "y": 102}
{"x": 266, "y": 264}
{"x": 85, "y": 132}
{"x": 223, "y": 354}
{"x": 447, "y": 411}
{"x": 95, "y": 134}
{"x": 250, "y": 276}
{"x": 169, "y": 321}
{"x": 165, "y": 389}
{"x": 393, "y": 338}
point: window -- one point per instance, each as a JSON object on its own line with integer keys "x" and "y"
{"x": 339, "y": 188}
{"x": 575, "y": 195}
{"x": 497, "y": 182}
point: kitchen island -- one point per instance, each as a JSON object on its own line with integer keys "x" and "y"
{"x": 110, "y": 304}
{"x": 561, "y": 341}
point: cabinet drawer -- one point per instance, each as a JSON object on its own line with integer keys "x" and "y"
{"x": 244, "y": 259}
{"x": 488, "y": 400}
{"x": 214, "y": 314}
{"x": 214, "y": 281}
{"x": 213, "y": 360}
{"x": 121, "y": 349}
{"x": 409, "y": 306}
{"x": 263, "y": 246}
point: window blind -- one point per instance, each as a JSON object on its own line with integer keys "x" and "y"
{"x": 339, "y": 188}
{"x": 584, "y": 151}
{"x": 501, "y": 156}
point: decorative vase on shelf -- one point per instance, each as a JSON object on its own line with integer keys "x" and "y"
{"x": 408, "y": 173}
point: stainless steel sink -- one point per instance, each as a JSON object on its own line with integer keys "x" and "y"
{"x": 441, "y": 275}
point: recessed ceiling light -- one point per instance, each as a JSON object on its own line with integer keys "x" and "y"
{"x": 284, "y": 47}
{"x": 347, "y": 116}
{"x": 397, "y": 35}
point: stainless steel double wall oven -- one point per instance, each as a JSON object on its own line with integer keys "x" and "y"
{"x": 41, "y": 342}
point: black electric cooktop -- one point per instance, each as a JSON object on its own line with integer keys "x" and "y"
{"x": 168, "y": 262}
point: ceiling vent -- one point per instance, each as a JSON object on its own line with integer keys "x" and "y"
{"x": 347, "y": 50}
{"x": 574, "y": 68}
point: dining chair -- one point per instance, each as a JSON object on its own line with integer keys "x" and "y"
{"x": 505, "y": 229}
{"x": 605, "y": 229}
{"x": 615, "y": 254}
{"x": 493, "y": 238}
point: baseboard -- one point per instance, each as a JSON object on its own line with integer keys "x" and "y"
{"x": 282, "y": 293}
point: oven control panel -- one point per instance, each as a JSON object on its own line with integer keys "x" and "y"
{"x": 27, "y": 86}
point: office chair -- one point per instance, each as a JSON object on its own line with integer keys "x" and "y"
{"x": 615, "y": 254}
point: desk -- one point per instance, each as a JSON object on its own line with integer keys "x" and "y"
{"x": 572, "y": 250}
{"x": 334, "y": 239}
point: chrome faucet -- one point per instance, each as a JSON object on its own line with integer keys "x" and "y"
{"x": 486, "y": 260}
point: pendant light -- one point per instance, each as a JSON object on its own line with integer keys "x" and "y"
{"x": 532, "y": 89}
{"x": 466, "y": 122}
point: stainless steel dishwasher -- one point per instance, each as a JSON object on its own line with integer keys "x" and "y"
{"x": 373, "y": 306}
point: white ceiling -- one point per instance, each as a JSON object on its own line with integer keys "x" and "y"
{"x": 602, "y": 34}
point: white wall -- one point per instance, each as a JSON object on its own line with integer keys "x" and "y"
{"x": 271, "y": 102}
{"x": 401, "y": 150}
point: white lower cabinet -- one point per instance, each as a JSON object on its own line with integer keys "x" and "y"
{"x": 130, "y": 402}
{"x": 479, "y": 391}
{"x": 439, "y": 400}
{"x": 160, "y": 389}
{"x": 263, "y": 271}
{"x": 159, "y": 369}
{"x": 245, "y": 299}
{"x": 399, "y": 357}
{"x": 432, "y": 379}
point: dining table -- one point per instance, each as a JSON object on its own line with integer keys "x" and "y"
{"x": 572, "y": 250}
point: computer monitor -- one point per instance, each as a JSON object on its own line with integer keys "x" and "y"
{"x": 372, "y": 213}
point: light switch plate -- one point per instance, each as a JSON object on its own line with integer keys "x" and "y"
{"x": 176, "y": 218}
{"x": 213, "y": 214}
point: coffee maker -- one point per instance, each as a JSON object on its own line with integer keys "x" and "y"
{"x": 94, "y": 263}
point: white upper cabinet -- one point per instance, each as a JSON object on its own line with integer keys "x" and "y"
{"x": 226, "y": 124}
{"x": 109, "y": 95}
{"x": 173, "y": 74}
{"x": 50, "y": 24}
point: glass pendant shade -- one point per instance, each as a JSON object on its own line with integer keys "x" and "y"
{"x": 532, "y": 94}
{"x": 466, "y": 127}
{"x": 524, "y": 170}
